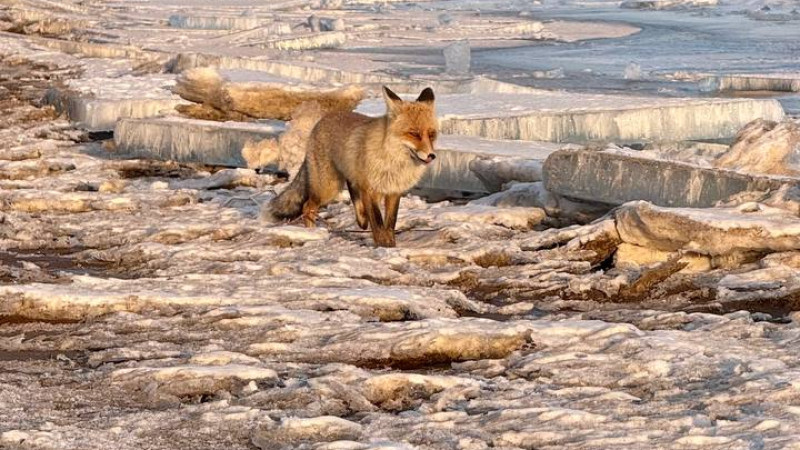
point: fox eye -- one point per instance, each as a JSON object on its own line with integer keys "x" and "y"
{"x": 415, "y": 135}
{"x": 432, "y": 135}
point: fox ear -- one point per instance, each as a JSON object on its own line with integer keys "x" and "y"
{"x": 426, "y": 96}
{"x": 393, "y": 101}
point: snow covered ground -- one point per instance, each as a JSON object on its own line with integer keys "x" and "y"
{"x": 144, "y": 304}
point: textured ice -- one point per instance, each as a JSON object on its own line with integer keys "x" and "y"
{"x": 190, "y": 140}
{"x": 569, "y": 117}
{"x": 765, "y": 147}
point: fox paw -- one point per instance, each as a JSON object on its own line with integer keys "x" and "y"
{"x": 384, "y": 239}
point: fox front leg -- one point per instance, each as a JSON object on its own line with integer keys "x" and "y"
{"x": 392, "y": 206}
{"x": 379, "y": 233}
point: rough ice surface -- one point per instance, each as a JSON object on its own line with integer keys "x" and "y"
{"x": 143, "y": 304}
{"x": 765, "y": 147}
{"x": 715, "y": 232}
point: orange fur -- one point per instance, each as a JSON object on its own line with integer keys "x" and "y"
{"x": 377, "y": 158}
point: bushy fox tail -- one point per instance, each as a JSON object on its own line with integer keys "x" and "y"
{"x": 289, "y": 204}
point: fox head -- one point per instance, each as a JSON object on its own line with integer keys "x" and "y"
{"x": 413, "y": 124}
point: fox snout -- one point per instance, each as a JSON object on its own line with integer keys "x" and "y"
{"x": 425, "y": 156}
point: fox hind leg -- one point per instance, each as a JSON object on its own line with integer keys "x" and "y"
{"x": 311, "y": 212}
{"x": 358, "y": 206}
{"x": 324, "y": 184}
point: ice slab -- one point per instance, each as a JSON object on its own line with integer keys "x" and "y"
{"x": 332, "y": 39}
{"x": 455, "y": 155}
{"x": 709, "y": 231}
{"x": 269, "y": 26}
{"x": 619, "y": 177}
{"x": 782, "y": 82}
{"x": 188, "y": 140}
{"x": 97, "y": 103}
{"x": 301, "y": 70}
{"x": 102, "y": 115}
{"x": 570, "y": 117}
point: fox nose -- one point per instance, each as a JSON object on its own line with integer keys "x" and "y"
{"x": 430, "y": 157}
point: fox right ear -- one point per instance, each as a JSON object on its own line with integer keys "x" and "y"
{"x": 426, "y": 96}
{"x": 393, "y": 100}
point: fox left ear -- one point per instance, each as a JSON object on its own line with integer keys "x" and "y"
{"x": 426, "y": 96}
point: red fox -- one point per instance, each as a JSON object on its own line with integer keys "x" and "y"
{"x": 377, "y": 158}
